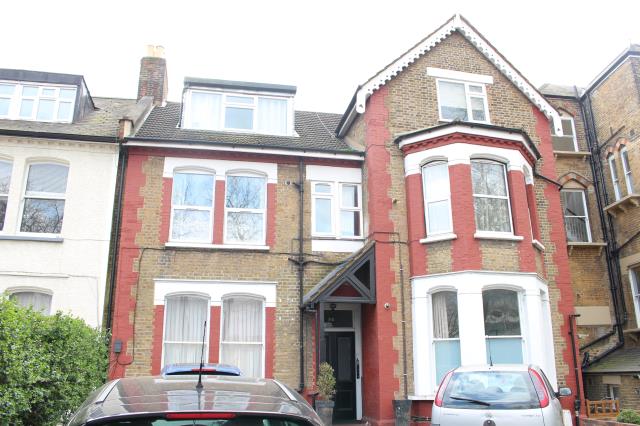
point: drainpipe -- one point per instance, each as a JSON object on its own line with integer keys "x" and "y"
{"x": 577, "y": 402}
{"x": 301, "y": 266}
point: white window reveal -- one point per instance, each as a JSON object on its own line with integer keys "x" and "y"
{"x": 192, "y": 207}
{"x": 462, "y": 101}
{"x": 626, "y": 167}
{"x": 5, "y": 181}
{"x": 238, "y": 112}
{"x": 337, "y": 209}
{"x": 44, "y": 198}
{"x": 245, "y": 209}
{"x": 614, "y": 178}
{"x": 242, "y": 342}
{"x": 491, "y": 196}
{"x": 576, "y": 220}
{"x": 634, "y": 277}
{"x": 446, "y": 335}
{"x": 32, "y": 101}
{"x": 437, "y": 197}
{"x": 184, "y": 328}
{"x": 37, "y": 301}
{"x": 568, "y": 141}
{"x": 502, "y": 326}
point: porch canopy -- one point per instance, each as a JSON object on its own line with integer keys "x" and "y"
{"x": 353, "y": 281}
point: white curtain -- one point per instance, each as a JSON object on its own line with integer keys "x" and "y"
{"x": 440, "y": 320}
{"x": 272, "y": 116}
{"x": 242, "y": 336}
{"x": 184, "y": 327}
{"x": 204, "y": 110}
{"x": 37, "y": 301}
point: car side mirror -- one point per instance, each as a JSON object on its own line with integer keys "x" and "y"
{"x": 564, "y": 392}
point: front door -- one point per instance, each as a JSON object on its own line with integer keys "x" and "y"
{"x": 341, "y": 356}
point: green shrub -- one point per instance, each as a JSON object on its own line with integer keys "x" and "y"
{"x": 629, "y": 416}
{"x": 48, "y": 364}
{"x": 326, "y": 381}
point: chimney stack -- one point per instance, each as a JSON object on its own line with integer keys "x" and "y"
{"x": 153, "y": 75}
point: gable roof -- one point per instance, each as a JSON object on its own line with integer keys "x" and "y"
{"x": 315, "y": 131}
{"x": 632, "y": 50}
{"x": 456, "y": 23}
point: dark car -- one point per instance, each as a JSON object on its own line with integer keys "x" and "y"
{"x": 177, "y": 401}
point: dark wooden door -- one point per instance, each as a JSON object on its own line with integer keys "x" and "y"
{"x": 341, "y": 356}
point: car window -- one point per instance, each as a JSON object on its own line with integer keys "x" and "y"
{"x": 238, "y": 421}
{"x": 495, "y": 390}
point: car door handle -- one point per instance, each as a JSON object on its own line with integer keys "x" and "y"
{"x": 357, "y": 368}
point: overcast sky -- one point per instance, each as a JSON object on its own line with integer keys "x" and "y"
{"x": 326, "y": 48}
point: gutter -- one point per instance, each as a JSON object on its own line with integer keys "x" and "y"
{"x": 52, "y": 135}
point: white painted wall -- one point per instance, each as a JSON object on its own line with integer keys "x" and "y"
{"x": 75, "y": 269}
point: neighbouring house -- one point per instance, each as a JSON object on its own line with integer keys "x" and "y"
{"x": 420, "y": 230}
{"x": 600, "y": 160}
{"x": 58, "y": 164}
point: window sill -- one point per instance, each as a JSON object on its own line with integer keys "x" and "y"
{"x": 572, "y": 154}
{"x": 46, "y": 239}
{"x": 422, "y": 397}
{"x": 537, "y": 244}
{"x": 440, "y": 237}
{"x": 176, "y": 244}
{"x": 623, "y": 204}
{"x": 585, "y": 244}
{"x": 483, "y": 235}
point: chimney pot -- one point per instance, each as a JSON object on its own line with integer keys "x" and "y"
{"x": 155, "y": 51}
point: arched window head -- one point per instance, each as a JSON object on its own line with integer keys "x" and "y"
{"x": 38, "y": 301}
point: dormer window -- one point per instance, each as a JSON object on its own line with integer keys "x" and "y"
{"x": 37, "y": 102}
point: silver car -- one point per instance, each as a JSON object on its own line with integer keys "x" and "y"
{"x": 499, "y": 395}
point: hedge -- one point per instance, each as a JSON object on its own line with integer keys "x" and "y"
{"x": 48, "y": 364}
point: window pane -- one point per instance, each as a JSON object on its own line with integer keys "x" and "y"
{"x": 501, "y": 313}
{"x": 488, "y": 178}
{"x": 5, "y": 177}
{"x": 576, "y": 228}
{"x": 240, "y": 100}
{"x": 242, "y": 320}
{"x": 272, "y": 116}
{"x": 444, "y": 305}
{"x": 567, "y": 127}
{"x": 573, "y": 203}
{"x": 323, "y": 188}
{"x": 185, "y": 318}
{"x": 42, "y": 216}
{"x": 475, "y": 89}
{"x": 3, "y": 211}
{"x": 45, "y": 109}
{"x": 205, "y": 110}
{"x": 323, "y": 215}
{"x": 238, "y": 118}
{"x": 190, "y": 189}
{"x": 29, "y": 91}
{"x": 248, "y": 358}
{"x": 37, "y": 301}
{"x": 504, "y": 351}
{"x": 4, "y": 106}
{"x": 64, "y": 111}
{"x": 26, "y": 108}
{"x": 439, "y": 217}
{"x": 349, "y": 224}
{"x": 192, "y": 225}
{"x": 48, "y": 92}
{"x": 245, "y": 227}
{"x": 69, "y": 94}
{"x": 453, "y": 103}
{"x": 47, "y": 178}
{"x": 492, "y": 214}
{"x": 447, "y": 357}
{"x": 349, "y": 196}
{"x": 245, "y": 192}
{"x": 7, "y": 89}
{"x": 436, "y": 181}
{"x": 477, "y": 109}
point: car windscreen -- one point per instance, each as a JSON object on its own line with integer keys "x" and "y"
{"x": 237, "y": 421}
{"x": 494, "y": 390}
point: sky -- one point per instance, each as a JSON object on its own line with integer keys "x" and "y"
{"x": 324, "y": 48}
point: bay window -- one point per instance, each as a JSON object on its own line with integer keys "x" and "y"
{"x": 192, "y": 206}
{"x": 35, "y": 300}
{"x": 242, "y": 340}
{"x": 491, "y": 196}
{"x": 437, "y": 197}
{"x": 5, "y": 181}
{"x": 446, "y": 336}
{"x": 336, "y": 209}
{"x": 626, "y": 168}
{"x": 462, "y": 101}
{"x": 245, "y": 209}
{"x": 576, "y": 220}
{"x": 44, "y": 198}
{"x": 614, "y": 178}
{"x": 184, "y": 327}
{"x": 502, "y": 326}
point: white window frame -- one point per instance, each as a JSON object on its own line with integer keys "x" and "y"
{"x": 5, "y": 195}
{"x": 211, "y": 209}
{"x": 615, "y": 180}
{"x": 626, "y": 168}
{"x": 586, "y": 212}
{"x": 468, "y": 96}
{"x": 46, "y": 292}
{"x": 264, "y": 326}
{"x": 263, "y": 210}
{"x": 522, "y": 316}
{"x": 573, "y": 129}
{"x": 501, "y": 197}
{"x": 208, "y": 329}
{"x": 634, "y": 280}
{"x": 42, "y": 196}
{"x": 426, "y": 202}
{"x": 16, "y": 101}
{"x": 224, "y": 103}
{"x": 336, "y": 208}
{"x": 432, "y": 338}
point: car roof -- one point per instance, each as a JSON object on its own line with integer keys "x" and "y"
{"x": 495, "y": 367}
{"x": 161, "y": 394}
